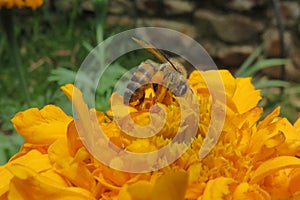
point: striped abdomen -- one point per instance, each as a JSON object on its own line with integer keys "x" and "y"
{"x": 135, "y": 89}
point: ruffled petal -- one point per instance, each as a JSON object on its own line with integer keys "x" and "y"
{"x": 33, "y": 159}
{"x": 27, "y": 184}
{"x": 270, "y": 166}
{"x": 171, "y": 186}
{"x": 218, "y": 188}
{"x": 249, "y": 192}
{"x": 42, "y": 126}
{"x": 246, "y": 96}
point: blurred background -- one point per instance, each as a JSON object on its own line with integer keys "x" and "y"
{"x": 42, "y": 49}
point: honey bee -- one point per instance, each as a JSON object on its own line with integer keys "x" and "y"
{"x": 171, "y": 74}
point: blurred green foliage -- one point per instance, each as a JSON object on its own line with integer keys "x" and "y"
{"x": 54, "y": 42}
{"x": 274, "y": 92}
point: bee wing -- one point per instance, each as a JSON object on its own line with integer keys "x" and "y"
{"x": 154, "y": 51}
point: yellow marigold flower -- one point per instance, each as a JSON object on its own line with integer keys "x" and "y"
{"x": 252, "y": 159}
{"x": 21, "y": 3}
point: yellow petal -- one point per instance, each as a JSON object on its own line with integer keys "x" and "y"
{"x": 33, "y": 159}
{"x": 58, "y": 150}
{"x": 201, "y": 79}
{"x": 33, "y": 3}
{"x": 118, "y": 109}
{"x": 229, "y": 82}
{"x": 171, "y": 186}
{"x": 68, "y": 90}
{"x": 5, "y": 177}
{"x": 82, "y": 110}
{"x": 297, "y": 125}
{"x": 116, "y": 177}
{"x": 41, "y": 126}
{"x": 270, "y": 166}
{"x": 27, "y": 184}
{"x": 218, "y": 188}
{"x": 247, "y": 191}
{"x": 123, "y": 194}
{"x": 269, "y": 118}
{"x": 277, "y": 184}
{"x": 74, "y": 141}
{"x": 294, "y": 186}
{"x": 140, "y": 190}
{"x": 75, "y": 171}
{"x": 245, "y": 96}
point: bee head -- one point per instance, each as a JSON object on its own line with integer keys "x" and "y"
{"x": 181, "y": 89}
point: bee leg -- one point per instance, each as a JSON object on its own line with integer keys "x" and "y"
{"x": 155, "y": 87}
{"x": 161, "y": 93}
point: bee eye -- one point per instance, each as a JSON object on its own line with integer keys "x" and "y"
{"x": 183, "y": 90}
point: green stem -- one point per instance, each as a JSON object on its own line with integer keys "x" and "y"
{"x": 35, "y": 26}
{"x": 100, "y": 15}
{"x": 8, "y": 24}
{"x": 100, "y": 12}
{"x": 73, "y": 18}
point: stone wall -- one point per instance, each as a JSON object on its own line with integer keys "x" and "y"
{"x": 228, "y": 30}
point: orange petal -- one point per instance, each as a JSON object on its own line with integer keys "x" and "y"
{"x": 218, "y": 188}
{"x": 171, "y": 186}
{"x": 33, "y": 159}
{"x": 27, "y": 184}
{"x": 277, "y": 184}
{"x": 76, "y": 170}
{"x": 270, "y": 166}
{"x": 201, "y": 79}
{"x": 68, "y": 90}
{"x": 123, "y": 194}
{"x": 269, "y": 118}
{"x": 247, "y": 191}
{"x": 73, "y": 139}
{"x": 294, "y": 185}
{"x": 245, "y": 96}
{"x": 140, "y": 190}
{"x": 297, "y": 125}
{"x": 58, "y": 150}
{"x": 81, "y": 108}
{"x": 41, "y": 126}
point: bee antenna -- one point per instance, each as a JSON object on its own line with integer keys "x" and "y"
{"x": 156, "y": 52}
{"x": 169, "y": 61}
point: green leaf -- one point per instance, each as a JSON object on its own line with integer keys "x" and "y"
{"x": 62, "y": 76}
{"x": 271, "y": 83}
{"x": 3, "y": 156}
{"x": 265, "y": 63}
{"x": 87, "y": 46}
{"x": 246, "y": 64}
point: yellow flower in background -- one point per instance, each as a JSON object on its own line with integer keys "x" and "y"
{"x": 253, "y": 158}
{"x": 33, "y": 4}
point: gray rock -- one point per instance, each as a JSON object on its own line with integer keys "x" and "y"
{"x": 87, "y": 6}
{"x": 121, "y": 7}
{"x": 227, "y": 56}
{"x": 123, "y": 21}
{"x": 272, "y": 49}
{"x": 240, "y": 5}
{"x": 150, "y": 7}
{"x": 234, "y": 56}
{"x": 231, "y": 28}
{"x": 182, "y": 27}
{"x": 290, "y": 12}
{"x": 272, "y": 44}
{"x": 176, "y": 7}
